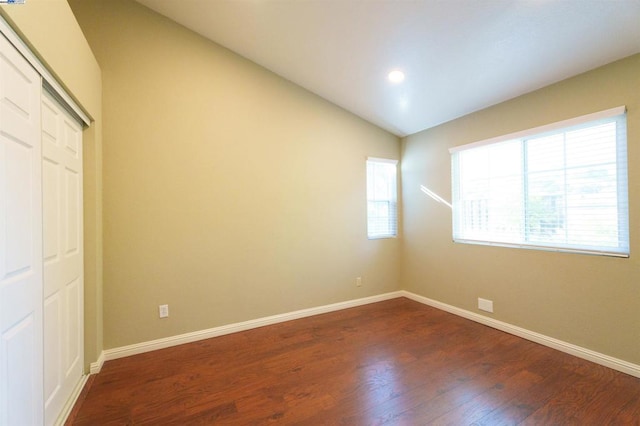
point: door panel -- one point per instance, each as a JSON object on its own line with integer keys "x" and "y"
{"x": 63, "y": 260}
{"x": 53, "y": 346}
{"x": 21, "y": 335}
{"x": 72, "y": 211}
{"x": 74, "y": 304}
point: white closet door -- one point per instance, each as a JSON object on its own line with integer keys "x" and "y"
{"x": 21, "y": 366}
{"x": 63, "y": 255}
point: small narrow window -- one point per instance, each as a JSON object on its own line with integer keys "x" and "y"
{"x": 382, "y": 204}
{"x": 561, "y": 187}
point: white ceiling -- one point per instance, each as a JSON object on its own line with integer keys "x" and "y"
{"x": 459, "y": 56}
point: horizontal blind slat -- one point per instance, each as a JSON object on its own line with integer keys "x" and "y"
{"x": 564, "y": 189}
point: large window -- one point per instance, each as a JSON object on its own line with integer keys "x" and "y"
{"x": 382, "y": 204}
{"x": 558, "y": 187}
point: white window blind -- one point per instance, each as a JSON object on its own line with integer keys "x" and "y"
{"x": 559, "y": 187}
{"x": 382, "y": 205}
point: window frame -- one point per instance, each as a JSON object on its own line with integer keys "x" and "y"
{"x": 617, "y": 115}
{"x": 392, "y": 201}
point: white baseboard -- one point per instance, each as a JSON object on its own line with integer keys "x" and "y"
{"x": 589, "y": 355}
{"x": 180, "y": 339}
{"x": 68, "y": 406}
{"x": 95, "y": 367}
{"x": 580, "y": 352}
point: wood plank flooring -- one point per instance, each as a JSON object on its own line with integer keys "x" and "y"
{"x": 396, "y": 362}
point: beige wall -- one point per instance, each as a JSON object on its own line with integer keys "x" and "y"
{"x": 232, "y": 194}
{"x": 229, "y": 193}
{"x": 51, "y": 30}
{"x": 589, "y": 301}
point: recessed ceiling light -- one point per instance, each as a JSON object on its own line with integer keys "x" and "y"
{"x": 396, "y": 76}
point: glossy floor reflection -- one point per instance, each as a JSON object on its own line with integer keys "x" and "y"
{"x": 395, "y": 362}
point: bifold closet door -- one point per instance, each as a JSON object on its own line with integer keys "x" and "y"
{"x": 62, "y": 255}
{"x": 21, "y": 366}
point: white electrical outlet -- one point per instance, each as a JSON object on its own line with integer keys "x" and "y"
{"x": 359, "y": 282}
{"x": 163, "y": 310}
{"x": 485, "y": 305}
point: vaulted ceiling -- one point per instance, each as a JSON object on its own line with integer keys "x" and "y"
{"x": 458, "y": 56}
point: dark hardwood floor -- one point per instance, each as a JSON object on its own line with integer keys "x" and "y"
{"x": 396, "y": 362}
